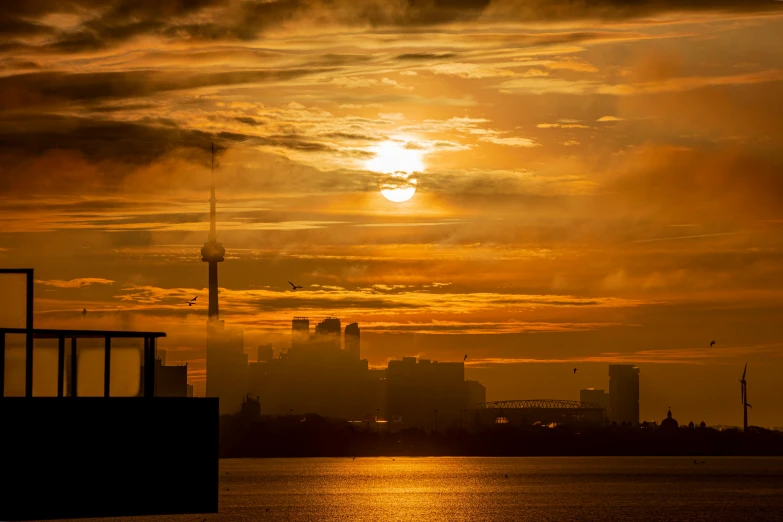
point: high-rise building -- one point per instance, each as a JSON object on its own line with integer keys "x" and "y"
{"x": 476, "y": 393}
{"x": 226, "y": 358}
{"x": 599, "y": 397}
{"x": 327, "y": 334}
{"x": 425, "y": 394}
{"x": 265, "y": 353}
{"x": 300, "y": 332}
{"x": 352, "y": 345}
{"x": 624, "y": 393}
{"x": 170, "y": 381}
{"x": 316, "y": 376}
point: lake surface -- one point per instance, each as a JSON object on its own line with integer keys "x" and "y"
{"x": 498, "y": 489}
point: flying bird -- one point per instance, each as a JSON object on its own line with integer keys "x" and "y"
{"x": 575, "y": 370}
{"x": 713, "y": 342}
{"x": 192, "y": 301}
{"x": 293, "y": 286}
{"x": 465, "y": 358}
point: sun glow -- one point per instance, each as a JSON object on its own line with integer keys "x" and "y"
{"x": 399, "y": 162}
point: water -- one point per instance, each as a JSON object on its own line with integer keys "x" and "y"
{"x": 477, "y": 489}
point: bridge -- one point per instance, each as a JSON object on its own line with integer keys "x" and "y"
{"x": 536, "y": 404}
{"x": 538, "y": 412}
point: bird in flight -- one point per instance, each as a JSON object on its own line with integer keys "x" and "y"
{"x": 293, "y": 286}
{"x": 192, "y": 301}
{"x": 713, "y": 342}
{"x": 465, "y": 358}
{"x": 575, "y": 370}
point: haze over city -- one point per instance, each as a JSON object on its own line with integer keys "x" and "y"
{"x": 538, "y": 185}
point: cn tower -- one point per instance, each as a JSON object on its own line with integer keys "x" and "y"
{"x": 213, "y": 252}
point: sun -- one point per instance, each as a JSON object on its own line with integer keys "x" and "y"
{"x": 399, "y": 163}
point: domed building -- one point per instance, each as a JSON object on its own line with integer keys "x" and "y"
{"x": 669, "y": 424}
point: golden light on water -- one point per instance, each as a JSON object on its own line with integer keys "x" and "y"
{"x": 399, "y": 162}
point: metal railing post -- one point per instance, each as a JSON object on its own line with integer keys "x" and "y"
{"x": 60, "y": 365}
{"x": 107, "y": 367}
{"x": 74, "y": 373}
{"x": 2, "y": 364}
{"x": 28, "y": 363}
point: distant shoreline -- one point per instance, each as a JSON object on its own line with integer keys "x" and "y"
{"x": 315, "y": 436}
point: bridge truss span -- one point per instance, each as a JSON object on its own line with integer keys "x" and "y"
{"x": 529, "y": 404}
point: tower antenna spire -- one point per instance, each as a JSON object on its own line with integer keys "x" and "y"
{"x": 213, "y": 252}
{"x": 213, "y": 202}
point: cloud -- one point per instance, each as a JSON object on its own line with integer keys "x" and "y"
{"x": 676, "y": 84}
{"x": 690, "y": 356}
{"x": 510, "y": 142}
{"x": 75, "y": 283}
{"x": 609, "y": 118}
{"x": 562, "y": 126}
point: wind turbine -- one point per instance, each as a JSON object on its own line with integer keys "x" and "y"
{"x": 744, "y": 385}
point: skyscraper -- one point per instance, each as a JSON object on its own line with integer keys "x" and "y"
{"x": 300, "y": 332}
{"x": 624, "y": 393}
{"x": 327, "y": 333}
{"x": 352, "y": 345}
{"x": 599, "y": 397}
{"x": 226, "y": 359}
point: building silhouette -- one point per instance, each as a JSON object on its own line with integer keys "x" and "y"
{"x": 425, "y": 394}
{"x": 316, "y": 375}
{"x": 594, "y": 396}
{"x": 475, "y": 393}
{"x": 265, "y": 353}
{"x": 670, "y": 424}
{"x": 624, "y": 394}
{"x": 327, "y": 334}
{"x": 170, "y": 381}
{"x": 227, "y": 368}
{"x": 300, "y": 332}
{"x": 352, "y": 344}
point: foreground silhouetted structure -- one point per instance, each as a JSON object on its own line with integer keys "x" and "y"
{"x": 75, "y": 457}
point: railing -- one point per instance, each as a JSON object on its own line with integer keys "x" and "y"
{"x": 31, "y": 334}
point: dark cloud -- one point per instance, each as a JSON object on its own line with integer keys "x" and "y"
{"x": 425, "y": 56}
{"x": 48, "y": 88}
{"x": 107, "y": 24}
{"x": 97, "y": 140}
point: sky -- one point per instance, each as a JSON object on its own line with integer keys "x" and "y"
{"x": 586, "y": 182}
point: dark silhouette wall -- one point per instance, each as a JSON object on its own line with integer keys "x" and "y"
{"x": 79, "y": 457}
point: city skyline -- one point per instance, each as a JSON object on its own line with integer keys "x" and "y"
{"x": 593, "y": 190}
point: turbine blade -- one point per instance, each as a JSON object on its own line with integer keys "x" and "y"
{"x": 744, "y": 371}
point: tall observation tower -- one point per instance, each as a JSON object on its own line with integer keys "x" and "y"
{"x": 226, "y": 359}
{"x": 213, "y": 252}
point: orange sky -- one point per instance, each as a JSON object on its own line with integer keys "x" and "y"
{"x": 601, "y": 182}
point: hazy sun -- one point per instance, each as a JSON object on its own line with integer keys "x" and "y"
{"x": 400, "y": 165}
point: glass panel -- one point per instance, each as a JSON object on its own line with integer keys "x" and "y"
{"x": 126, "y": 360}
{"x": 89, "y": 370}
{"x": 45, "y": 368}
{"x": 14, "y": 366}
